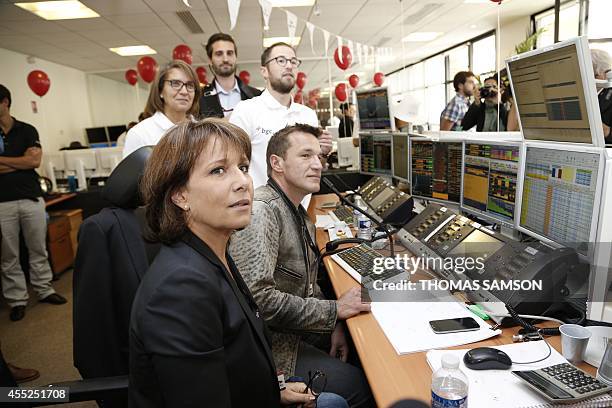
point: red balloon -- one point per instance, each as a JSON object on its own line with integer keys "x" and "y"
{"x": 39, "y": 82}
{"x": 379, "y": 78}
{"x": 497, "y": 1}
{"x": 147, "y": 68}
{"x": 354, "y": 80}
{"x": 182, "y": 52}
{"x": 131, "y": 76}
{"x": 201, "y": 71}
{"x": 245, "y": 77}
{"x": 347, "y": 58}
{"x": 298, "y": 97}
{"x": 340, "y": 92}
{"x": 300, "y": 81}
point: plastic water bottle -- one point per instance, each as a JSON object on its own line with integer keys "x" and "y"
{"x": 358, "y": 203}
{"x": 449, "y": 386}
{"x": 364, "y": 224}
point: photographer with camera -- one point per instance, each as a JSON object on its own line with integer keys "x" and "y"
{"x": 483, "y": 113}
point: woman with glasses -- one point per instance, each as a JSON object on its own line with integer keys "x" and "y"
{"x": 173, "y": 97}
{"x": 196, "y": 335}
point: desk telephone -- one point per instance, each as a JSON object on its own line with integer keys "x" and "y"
{"x": 440, "y": 232}
{"x": 389, "y": 205}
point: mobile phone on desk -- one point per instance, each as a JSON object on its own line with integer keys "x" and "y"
{"x": 460, "y": 324}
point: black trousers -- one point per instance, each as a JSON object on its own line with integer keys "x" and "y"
{"x": 343, "y": 379}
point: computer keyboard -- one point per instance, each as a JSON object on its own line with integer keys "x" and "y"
{"x": 358, "y": 261}
{"x": 344, "y": 213}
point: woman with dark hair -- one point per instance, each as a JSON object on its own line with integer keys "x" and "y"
{"x": 196, "y": 336}
{"x": 173, "y": 97}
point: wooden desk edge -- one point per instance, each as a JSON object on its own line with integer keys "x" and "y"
{"x": 59, "y": 199}
{"x": 392, "y": 376}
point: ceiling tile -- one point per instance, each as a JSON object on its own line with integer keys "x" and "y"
{"x": 117, "y": 7}
{"x": 38, "y": 26}
{"x": 143, "y": 20}
{"x": 87, "y": 24}
{"x": 111, "y": 38}
{"x": 10, "y": 12}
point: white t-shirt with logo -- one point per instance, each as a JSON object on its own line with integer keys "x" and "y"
{"x": 261, "y": 117}
{"x": 146, "y": 133}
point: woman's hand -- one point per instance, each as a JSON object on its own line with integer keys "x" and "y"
{"x": 295, "y": 393}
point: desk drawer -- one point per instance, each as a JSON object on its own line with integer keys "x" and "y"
{"x": 60, "y": 254}
{"x": 58, "y": 227}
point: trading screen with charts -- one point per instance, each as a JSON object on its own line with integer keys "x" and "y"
{"x": 436, "y": 170}
{"x": 490, "y": 174}
{"x": 375, "y": 154}
{"x": 559, "y": 195}
{"x": 400, "y": 156}
{"x": 549, "y": 94}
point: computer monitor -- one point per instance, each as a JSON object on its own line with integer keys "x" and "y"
{"x": 561, "y": 193}
{"x": 97, "y": 137}
{"x": 54, "y": 167}
{"x": 375, "y": 154}
{"x": 554, "y": 90}
{"x": 107, "y": 160}
{"x": 436, "y": 169}
{"x": 348, "y": 153}
{"x": 82, "y": 163}
{"x": 400, "y": 144}
{"x": 373, "y": 109}
{"x": 333, "y": 130}
{"x": 489, "y": 180}
{"x": 115, "y": 131}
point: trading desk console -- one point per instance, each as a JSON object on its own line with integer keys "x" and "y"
{"x": 439, "y": 232}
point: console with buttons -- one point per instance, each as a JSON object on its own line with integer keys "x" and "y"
{"x": 439, "y": 232}
{"x": 386, "y": 202}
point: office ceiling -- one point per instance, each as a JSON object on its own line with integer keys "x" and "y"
{"x": 84, "y": 43}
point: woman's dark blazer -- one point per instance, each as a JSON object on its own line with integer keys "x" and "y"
{"x": 196, "y": 339}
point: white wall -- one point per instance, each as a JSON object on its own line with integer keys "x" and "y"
{"x": 512, "y": 33}
{"x": 114, "y": 103}
{"x": 75, "y": 100}
{"x": 63, "y": 112}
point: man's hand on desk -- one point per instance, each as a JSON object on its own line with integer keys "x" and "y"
{"x": 350, "y": 304}
{"x": 339, "y": 346}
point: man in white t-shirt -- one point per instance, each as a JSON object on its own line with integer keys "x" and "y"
{"x": 274, "y": 109}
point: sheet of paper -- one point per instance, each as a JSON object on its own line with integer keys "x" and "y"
{"x": 406, "y": 325}
{"x": 324, "y": 221}
{"x": 500, "y": 388}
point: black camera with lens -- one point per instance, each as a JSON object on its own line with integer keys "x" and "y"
{"x": 487, "y": 92}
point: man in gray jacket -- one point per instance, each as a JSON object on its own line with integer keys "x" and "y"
{"x": 277, "y": 256}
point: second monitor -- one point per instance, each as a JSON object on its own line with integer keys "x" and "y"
{"x": 490, "y": 176}
{"x": 436, "y": 169}
{"x": 375, "y": 154}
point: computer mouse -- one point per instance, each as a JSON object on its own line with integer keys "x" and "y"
{"x": 487, "y": 358}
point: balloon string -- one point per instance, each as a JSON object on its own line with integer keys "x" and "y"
{"x": 403, "y": 76}
{"x": 498, "y": 60}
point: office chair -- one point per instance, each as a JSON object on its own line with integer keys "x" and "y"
{"x": 111, "y": 260}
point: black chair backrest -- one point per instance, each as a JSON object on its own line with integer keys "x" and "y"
{"x": 111, "y": 260}
{"x": 122, "y": 186}
{"x": 122, "y": 190}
